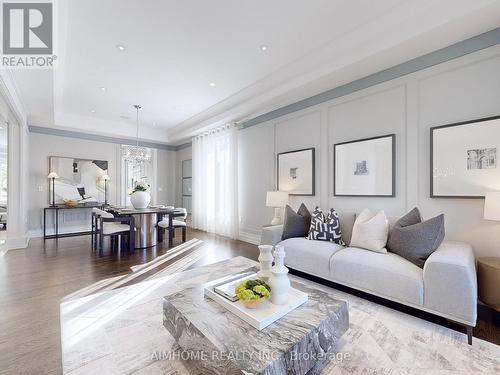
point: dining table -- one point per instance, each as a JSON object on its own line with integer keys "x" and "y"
{"x": 146, "y": 223}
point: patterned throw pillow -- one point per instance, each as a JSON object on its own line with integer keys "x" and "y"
{"x": 325, "y": 227}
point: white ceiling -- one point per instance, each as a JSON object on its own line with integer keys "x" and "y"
{"x": 174, "y": 49}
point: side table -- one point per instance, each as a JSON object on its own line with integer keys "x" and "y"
{"x": 488, "y": 277}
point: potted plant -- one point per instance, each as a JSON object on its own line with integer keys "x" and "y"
{"x": 140, "y": 196}
{"x": 253, "y": 293}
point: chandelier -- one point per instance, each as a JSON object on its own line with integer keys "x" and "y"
{"x": 136, "y": 154}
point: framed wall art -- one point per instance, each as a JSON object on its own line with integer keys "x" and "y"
{"x": 365, "y": 167}
{"x": 464, "y": 159}
{"x": 79, "y": 179}
{"x": 296, "y": 172}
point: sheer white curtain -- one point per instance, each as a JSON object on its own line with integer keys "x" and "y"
{"x": 215, "y": 182}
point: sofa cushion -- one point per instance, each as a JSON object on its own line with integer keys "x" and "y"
{"x": 387, "y": 275}
{"x": 414, "y": 239}
{"x": 296, "y": 224}
{"x": 370, "y": 231}
{"x": 325, "y": 227}
{"x": 309, "y": 255}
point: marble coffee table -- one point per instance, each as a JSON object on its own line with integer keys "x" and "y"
{"x": 215, "y": 341}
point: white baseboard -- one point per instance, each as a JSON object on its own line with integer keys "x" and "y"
{"x": 38, "y": 233}
{"x": 14, "y": 243}
{"x": 250, "y": 235}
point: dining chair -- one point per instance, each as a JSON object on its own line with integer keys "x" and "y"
{"x": 94, "y": 234}
{"x": 177, "y": 222}
{"x": 117, "y": 228}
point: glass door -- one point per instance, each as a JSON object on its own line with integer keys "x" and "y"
{"x": 3, "y": 179}
{"x": 187, "y": 184}
{"x": 132, "y": 173}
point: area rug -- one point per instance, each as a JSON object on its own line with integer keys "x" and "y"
{"x": 121, "y": 332}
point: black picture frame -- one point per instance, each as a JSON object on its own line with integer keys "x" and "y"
{"x": 393, "y": 167}
{"x": 313, "y": 166}
{"x": 432, "y": 144}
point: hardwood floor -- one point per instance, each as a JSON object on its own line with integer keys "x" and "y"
{"x": 34, "y": 280}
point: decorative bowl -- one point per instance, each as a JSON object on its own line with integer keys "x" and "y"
{"x": 254, "y": 303}
{"x": 70, "y": 203}
{"x": 253, "y": 293}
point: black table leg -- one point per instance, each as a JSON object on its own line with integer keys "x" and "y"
{"x": 170, "y": 231}
{"x": 44, "y": 223}
{"x": 57, "y": 222}
{"x": 160, "y": 230}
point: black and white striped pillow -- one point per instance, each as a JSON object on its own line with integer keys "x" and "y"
{"x": 325, "y": 227}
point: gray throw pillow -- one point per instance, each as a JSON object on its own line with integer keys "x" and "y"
{"x": 414, "y": 239}
{"x": 296, "y": 224}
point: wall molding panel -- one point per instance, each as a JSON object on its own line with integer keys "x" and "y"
{"x": 463, "y": 88}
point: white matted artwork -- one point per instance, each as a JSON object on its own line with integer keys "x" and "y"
{"x": 296, "y": 172}
{"x": 464, "y": 159}
{"x": 365, "y": 167}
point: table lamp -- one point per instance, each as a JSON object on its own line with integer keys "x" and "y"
{"x": 53, "y": 176}
{"x": 277, "y": 200}
{"x": 492, "y": 206}
{"x": 105, "y": 178}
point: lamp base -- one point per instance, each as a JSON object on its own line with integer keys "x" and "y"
{"x": 277, "y": 217}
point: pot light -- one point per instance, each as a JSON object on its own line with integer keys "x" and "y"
{"x": 212, "y": 84}
{"x": 103, "y": 89}
{"x": 121, "y": 47}
{"x": 263, "y": 48}
{"x": 92, "y": 111}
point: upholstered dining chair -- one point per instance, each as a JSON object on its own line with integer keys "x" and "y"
{"x": 118, "y": 228}
{"x": 178, "y": 222}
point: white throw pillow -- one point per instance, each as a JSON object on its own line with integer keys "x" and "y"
{"x": 370, "y": 231}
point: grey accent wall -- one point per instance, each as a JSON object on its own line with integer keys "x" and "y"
{"x": 101, "y": 138}
{"x": 461, "y": 89}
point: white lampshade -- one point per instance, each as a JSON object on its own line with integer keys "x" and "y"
{"x": 53, "y": 175}
{"x": 492, "y": 206}
{"x": 276, "y": 199}
{"x": 105, "y": 177}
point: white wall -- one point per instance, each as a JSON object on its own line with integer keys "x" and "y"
{"x": 462, "y": 89}
{"x": 43, "y": 146}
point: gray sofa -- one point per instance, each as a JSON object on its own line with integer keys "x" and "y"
{"x": 446, "y": 286}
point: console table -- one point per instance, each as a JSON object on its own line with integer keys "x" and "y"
{"x": 58, "y": 207}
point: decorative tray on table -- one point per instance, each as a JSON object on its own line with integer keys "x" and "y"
{"x": 259, "y": 318}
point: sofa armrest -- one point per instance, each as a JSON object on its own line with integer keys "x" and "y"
{"x": 271, "y": 235}
{"x": 450, "y": 283}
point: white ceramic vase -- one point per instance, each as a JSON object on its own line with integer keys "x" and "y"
{"x": 279, "y": 281}
{"x": 140, "y": 199}
{"x": 266, "y": 262}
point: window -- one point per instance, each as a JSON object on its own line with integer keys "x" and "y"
{"x": 132, "y": 173}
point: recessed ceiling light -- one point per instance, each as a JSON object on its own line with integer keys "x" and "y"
{"x": 212, "y": 84}
{"x": 103, "y": 89}
{"x": 121, "y": 47}
{"x": 263, "y": 47}
{"x": 92, "y": 111}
